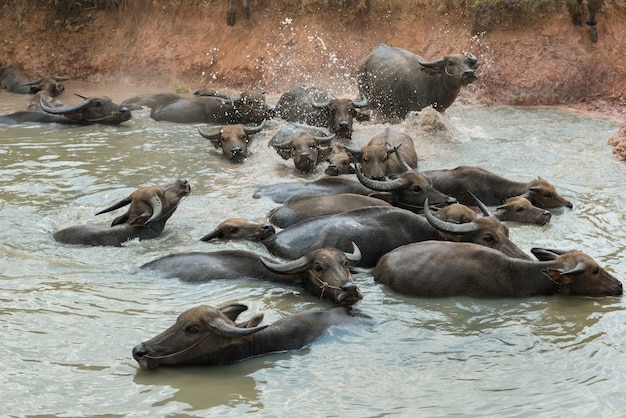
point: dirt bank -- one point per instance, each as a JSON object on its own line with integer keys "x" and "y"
{"x": 534, "y": 57}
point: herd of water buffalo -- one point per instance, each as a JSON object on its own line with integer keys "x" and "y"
{"x": 430, "y": 233}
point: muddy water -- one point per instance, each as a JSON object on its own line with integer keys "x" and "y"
{"x": 70, "y": 315}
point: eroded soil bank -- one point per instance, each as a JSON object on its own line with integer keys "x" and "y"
{"x": 531, "y": 57}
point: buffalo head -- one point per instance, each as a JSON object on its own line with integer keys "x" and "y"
{"x": 90, "y": 110}
{"x": 544, "y": 195}
{"x": 340, "y": 114}
{"x": 323, "y": 272}
{"x": 51, "y": 85}
{"x": 456, "y": 70}
{"x": 306, "y": 150}
{"x": 519, "y": 209}
{"x": 150, "y": 204}
{"x": 232, "y": 139}
{"x": 238, "y": 228}
{"x": 338, "y": 163}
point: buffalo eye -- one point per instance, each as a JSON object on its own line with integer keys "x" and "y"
{"x": 489, "y": 238}
{"x": 192, "y": 329}
{"x": 520, "y": 209}
{"x": 234, "y": 229}
{"x": 344, "y": 163}
{"x": 97, "y": 103}
{"x": 547, "y": 194}
{"x": 317, "y": 268}
{"x": 596, "y": 270}
{"x": 417, "y": 189}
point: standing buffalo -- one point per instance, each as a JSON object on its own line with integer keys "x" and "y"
{"x": 442, "y": 269}
{"x": 14, "y": 81}
{"x": 250, "y": 107}
{"x": 150, "y": 208}
{"x": 322, "y": 272}
{"x": 316, "y": 107}
{"x": 45, "y": 109}
{"x": 232, "y": 139}
{"x": 593, "y": 7}
{"x": 396, "y": 81}
{"x": 207, "y": 336}
{"x": 302, "y": 146}
{"x": 386, "y": 154}
{"x": 492, "y": 189}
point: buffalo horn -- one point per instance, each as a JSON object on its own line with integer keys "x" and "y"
{"x": 220, "y": 327}
{"x": 356, "y": 253}
{"x": 255, "y": 129}
{"x": 216, "y": 233}
{"x": 213, "y": 134}
{"x": 379, "y": 186}
{"x": 325, "y": 139}
{"x": 354, "y": 151}
{"x": 118, "y": 205}
{"x": 320, "y": 105}
{"x": 63, "y": 109}
{"x": 430, "y": 64}
{"x": 535, "y": 189}
{"x": 361, "y": 103}
{"x": 157, "y": 209}
{"x": 401, "y": 159}
{"x": 448, "y": 227}
{"x": 294, "y": 266}
{"x": 232, "y": 311}
{"x": 544, "y": 254}
{"x": 33, "y": 83}
{"x": 579, "y": 268}
{"x": 485, "y": 210}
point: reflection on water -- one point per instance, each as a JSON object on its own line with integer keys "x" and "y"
{"x": 71, "y": 315}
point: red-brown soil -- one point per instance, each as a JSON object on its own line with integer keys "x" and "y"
{"x": 533, "y": 57}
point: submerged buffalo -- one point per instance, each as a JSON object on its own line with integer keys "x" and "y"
{"x": 233, "y": 140}
{"x": 150, "y": 208}
{"x": 442, "y": 269}
{"x": 45, "y": 109}
{"x": 249, "y": 107}
{"x": 207, "y": 336}
{"x": 14, "y": 81}
{"x": 322, "y": 272}
{"x": 396, "y": 81}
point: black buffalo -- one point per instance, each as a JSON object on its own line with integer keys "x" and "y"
{"x": 316, "y": 107}
{"x": 249, "y": 107}
{"x": 207, "y": 336}
{"x": 593, "y": 7}
{"x": 45, "y": 109}
{"x": 396, "y": 81}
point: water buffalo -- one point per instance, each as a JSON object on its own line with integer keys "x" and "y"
{"x": 519, "y": 209}
{"x": 233, "y": 140}
{"x": 338, "y": 162}
{"x": 91, "y": 110}
{"x": 593, "y": 7}
{"x": 442, "y": 269}
{"x": 14, "y": 81}
{"x": 386, "y": 154}
{"x": 250, "y": 107}
{"x": 378, "y": 230}
{"x": 324, "y": 186}
{"x": 230, "y": 16}
{"x": 322, "y": 272}
{"x": 396, "y": 81}
{"x": 408, "y": 190}
{"x": 493, "y": 189}
{"x": 303, "y": 147}
{"x": 316, "y": 107}
{"x": 239, "y": 228}
{"x": 456, "y": 213}
{"x": 207, "y": 336}
{"x": 310, "y": 207}
{"x": 150, "y": 208}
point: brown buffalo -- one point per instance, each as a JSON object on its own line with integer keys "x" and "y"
{"x": 239, "y": 228}
{"x": 207, "y": 336}
{"x": 304, "y": 148}
{"x": 150, "y": 208}
{"x": 384, "y": 155}
{"x": 338, "y": 162}
{"x": 396, "y": 81}
{"x": 593, "y": 7}
{"x": 322, "y": 272}
{"x": 442, "y": 269}
{"x": 493, "y": 189}
{"x": 456, "y": 213}
{"x": 233, "y": 140}
{"x": 519, "y": 209}
{"x": 14, "y": 81}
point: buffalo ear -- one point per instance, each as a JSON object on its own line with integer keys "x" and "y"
{"x": 557, "y": 276}
{"x": 252, "y": 322}
{"x": 431, "y": 71}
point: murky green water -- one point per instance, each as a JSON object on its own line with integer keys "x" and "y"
{"x": 69, "y": 316}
